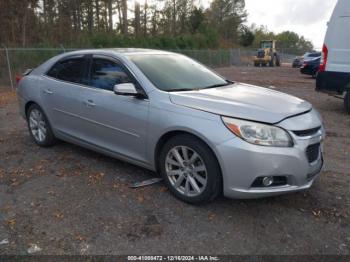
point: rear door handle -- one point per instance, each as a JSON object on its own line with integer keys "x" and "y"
{"x": 48, "y": 91}
{"x": 89, "y": 103}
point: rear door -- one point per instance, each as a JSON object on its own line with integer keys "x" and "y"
{"x": 114, "y": 122}
{"x": 61, "y": 92}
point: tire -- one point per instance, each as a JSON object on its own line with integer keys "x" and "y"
{"x": 347, "y": 102}
{"x": 278, "y": 61}
{"x": 39, "y": 127}
{"x": 208, "y": 179}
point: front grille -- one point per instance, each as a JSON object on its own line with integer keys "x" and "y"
{"x": 308, "y": 132}
{"x": 313, "y": 152}
{"x": 261, "y": 54}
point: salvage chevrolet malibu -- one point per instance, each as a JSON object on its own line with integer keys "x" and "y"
{"x": 163, "y": 111}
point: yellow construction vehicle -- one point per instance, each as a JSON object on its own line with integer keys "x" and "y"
{"x": 267, "y": 55}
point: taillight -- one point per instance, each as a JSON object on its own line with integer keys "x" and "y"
{"x": 324, "y": 58}
{"x": 18, "y": 78}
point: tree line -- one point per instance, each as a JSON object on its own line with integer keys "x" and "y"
{"x": 287, "y": 41}
{"x": 168, "y": 24}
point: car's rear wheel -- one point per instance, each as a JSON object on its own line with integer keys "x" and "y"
{"x": 39, "y": 127}
{"x": 347, "y": 101}
{"x": 190, "y": 169}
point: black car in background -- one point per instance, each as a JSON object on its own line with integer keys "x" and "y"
{"x": 311, "y": 55}
{"x": 311, "y": 67}
{"x": 299, "y": 60}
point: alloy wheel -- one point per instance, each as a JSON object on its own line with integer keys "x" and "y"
{"x": 37, "y": 125}
{"x": 186, "y": 171}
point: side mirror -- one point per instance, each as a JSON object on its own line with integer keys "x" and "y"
{"x": 126, "y": 89}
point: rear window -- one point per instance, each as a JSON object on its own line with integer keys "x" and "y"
{"x": 314, "y": 55}
{"x": 70, "y": 70}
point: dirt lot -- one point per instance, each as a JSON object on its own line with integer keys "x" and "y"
{"x": 69, "y": 200}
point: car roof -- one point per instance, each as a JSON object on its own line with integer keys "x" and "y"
{"x": 312, "y": 53}
{"x": 119, "y": 51}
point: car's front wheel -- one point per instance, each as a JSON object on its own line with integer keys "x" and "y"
{"x": 190, "y": 169}
{"x": 39, "y": 127}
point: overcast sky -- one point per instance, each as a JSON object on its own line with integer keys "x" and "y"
{"x": 305, "y": 17}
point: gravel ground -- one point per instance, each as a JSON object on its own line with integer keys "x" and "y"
{"x": 69, "y": 200}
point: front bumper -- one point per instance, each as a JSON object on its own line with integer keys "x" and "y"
{"x": 333, "y": 82}
{"x": 261, "y": 60}
{"x": 242, "y": 163}
{"x": 297, "y": 64}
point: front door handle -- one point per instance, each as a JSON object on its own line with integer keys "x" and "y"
{"x": 48, "y": 91}
{"x": 89, "y": 103}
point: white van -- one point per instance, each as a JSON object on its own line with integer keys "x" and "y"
{"x": 334, "y": 74}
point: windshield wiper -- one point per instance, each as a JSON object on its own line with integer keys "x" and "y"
{"x": 228, "y": 82}
{"x": 219, "y": 85}
{"x": 183, "y": 89}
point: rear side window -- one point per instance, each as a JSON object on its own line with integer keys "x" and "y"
{"x": 70, "y": 70}
{"x": 105, "y": 74}
{"x": 315, "y": 55}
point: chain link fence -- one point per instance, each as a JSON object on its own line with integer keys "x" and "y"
{"x": 14, "y": 61}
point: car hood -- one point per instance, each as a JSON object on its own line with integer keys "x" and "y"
{"x": 243, "y": 101}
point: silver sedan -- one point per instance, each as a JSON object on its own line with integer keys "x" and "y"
{"x": 163, "y": 111}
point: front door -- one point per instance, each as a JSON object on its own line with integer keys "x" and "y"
{"x": 113, "y": 122}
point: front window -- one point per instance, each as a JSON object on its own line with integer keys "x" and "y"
{"x": 266, "y": 45}
{"x": 171, "y": 72}
{"x": 105, "y": 74}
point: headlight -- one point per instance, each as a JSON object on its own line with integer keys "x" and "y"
{"x": 258, "y": 134}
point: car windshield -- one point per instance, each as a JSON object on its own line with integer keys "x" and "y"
{"x": 171, "y": 72}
